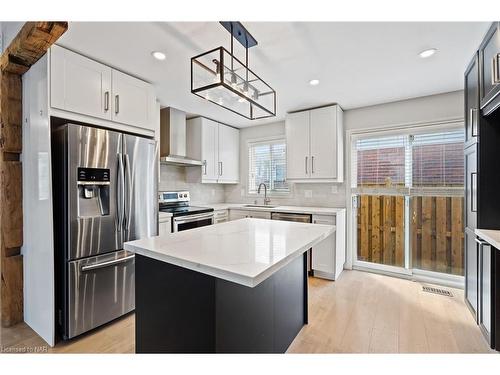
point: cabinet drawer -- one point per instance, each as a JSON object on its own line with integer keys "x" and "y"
{"x": 324, "y": 219}
{"x": 241, "y": 214}
{"x": 490, "y": 65}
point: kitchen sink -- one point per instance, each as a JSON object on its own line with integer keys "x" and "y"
{"x": 260, "y": 205}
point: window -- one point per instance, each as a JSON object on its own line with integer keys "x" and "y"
{"x": 421, "y": 162}
{"x": 438, "y": 160}
{"x": 381, "y": 161}
{"x": 267, "y": 164}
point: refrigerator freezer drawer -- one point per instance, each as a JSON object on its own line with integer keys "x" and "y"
{"x": 100, "y": 289}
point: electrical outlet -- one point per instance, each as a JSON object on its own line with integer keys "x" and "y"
{"x": 242, "y": 192}
{"x": 308, "y": 193}
{"x": 213, "y": 192}
{"x": 335, "y": 189}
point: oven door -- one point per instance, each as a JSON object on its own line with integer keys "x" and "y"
{"x": 192, "y": 221}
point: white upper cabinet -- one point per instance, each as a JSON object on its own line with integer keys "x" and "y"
{"x": 132, "y": 99}
{"x": 79, "y": 84}
{"x": 85, "y": 87}
{"x": 217, "y": 146}
{"x": 297, "y": 145}
{"x": 315, "y": 145}
{"x": 229, "y": 150}
{"x": 209, "y": 150}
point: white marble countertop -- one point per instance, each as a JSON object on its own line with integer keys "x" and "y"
{"x": 490, "y": 235}
{"x": 288, "y": 209}
{"x": 245, "y": 251}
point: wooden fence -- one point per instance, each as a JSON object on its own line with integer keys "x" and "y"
{"x": 436, "y": 232}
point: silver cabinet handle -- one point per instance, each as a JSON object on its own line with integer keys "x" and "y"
{"x": 473, "y": 121}
{"x": 108, "y": 263}
{"x": 495, "y": 76}
{"x": 106, "y": 101}
{"x": 473, "y": 187}
{"x": 205, "y": 167}
{"x": 117, "y": 104}
{"x": 312, "y": 164}
{"x": 306, "y": 164}
{"x": 220, "y": 168}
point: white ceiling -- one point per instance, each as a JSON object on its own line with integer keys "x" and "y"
{"x": 358, "y": 64}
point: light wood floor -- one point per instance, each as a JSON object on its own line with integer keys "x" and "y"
{"x": 359, "y": 313}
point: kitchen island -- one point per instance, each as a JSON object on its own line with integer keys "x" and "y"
{"x": 235, "y": 287}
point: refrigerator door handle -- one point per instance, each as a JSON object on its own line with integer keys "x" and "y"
{"x": 120, "y": 193}
{"x": 108, "y": 263}
{"x": 127, "y": 189}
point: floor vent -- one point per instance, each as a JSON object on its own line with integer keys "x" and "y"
{"x": 441, "y": 292}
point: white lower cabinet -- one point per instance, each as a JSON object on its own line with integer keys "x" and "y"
{"x": 328, "y": 257}
{"x": 164, "y": 226}
{"x": 242, "y": 214}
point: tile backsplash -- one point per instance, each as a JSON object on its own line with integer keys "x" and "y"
{"x": 313, "y": 195}
{"x": 174, "y": 178}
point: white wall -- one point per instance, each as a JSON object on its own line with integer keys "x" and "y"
{"x": 8, "y": 31}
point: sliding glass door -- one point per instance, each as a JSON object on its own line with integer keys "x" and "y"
{"x": 408, "y": 200}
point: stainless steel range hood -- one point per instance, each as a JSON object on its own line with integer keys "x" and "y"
{"x": 173, "y": 138}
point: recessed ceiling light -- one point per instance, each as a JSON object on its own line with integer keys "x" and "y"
{"x": 427, "y": 53}
{"x": 158, "y": 55}
{"x": 314, "y": 82}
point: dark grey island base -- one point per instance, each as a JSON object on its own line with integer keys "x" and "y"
{"x": 184, "y": 311}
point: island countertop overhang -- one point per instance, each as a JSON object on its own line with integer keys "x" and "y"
{"x": 245, "y": 251}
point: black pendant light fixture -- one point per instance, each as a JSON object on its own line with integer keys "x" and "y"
{"x": 219, "y": 77}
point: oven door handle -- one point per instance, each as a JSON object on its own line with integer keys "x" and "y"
{"x": 191, "y": 218}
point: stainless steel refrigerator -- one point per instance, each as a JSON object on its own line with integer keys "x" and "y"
{"x": 104, "y": 194}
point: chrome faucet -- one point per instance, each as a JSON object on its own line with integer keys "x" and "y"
{"x": 266, "y": 199}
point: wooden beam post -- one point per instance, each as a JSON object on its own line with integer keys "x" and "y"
{"x": 30, "y": 44}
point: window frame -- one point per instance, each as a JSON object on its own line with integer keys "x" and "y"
{"x": 270, "y": 193}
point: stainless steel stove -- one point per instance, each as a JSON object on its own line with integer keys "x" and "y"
{"x": 184, "y": 216}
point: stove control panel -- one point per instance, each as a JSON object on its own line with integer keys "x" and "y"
{"x": 173, "y": 196}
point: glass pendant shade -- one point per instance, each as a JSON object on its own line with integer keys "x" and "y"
{"x": 221, "y": 78}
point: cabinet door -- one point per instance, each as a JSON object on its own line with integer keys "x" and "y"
{"x": 238, "y": 214}
{"x": 164, "y": 227}
{"x": 209, "y": 150}
{"x": 323, "y": 254}
{"x": 471, "y": 187}
{"x": 229, "y": 154}
{"x": 485, "y": 288}
{"x": 79, "y": 84}
{"x": 471, "y": 270}
{"x": 132, "y": 101}
{"x": 297, "y": 145}
{"x": 471, "y": 100}
{"x": 323, "y": 143}
{"x": 490, "y": 64}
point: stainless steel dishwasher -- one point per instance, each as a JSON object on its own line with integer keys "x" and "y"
{"x": 299, "y": 218}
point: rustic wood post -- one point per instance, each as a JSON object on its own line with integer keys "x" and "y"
{"x": 31, "y": 43}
